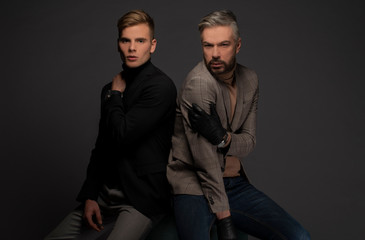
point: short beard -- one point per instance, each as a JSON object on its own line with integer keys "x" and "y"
{"x": 227, "y": 67}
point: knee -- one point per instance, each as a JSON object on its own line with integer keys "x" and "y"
{"x": 305, "y": 235}
{"x": 301, "y": 234}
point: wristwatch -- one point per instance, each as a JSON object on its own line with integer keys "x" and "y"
{"x": 224, "y": 141}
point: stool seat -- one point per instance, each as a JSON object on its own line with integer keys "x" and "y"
{"x": 166, "y": 230}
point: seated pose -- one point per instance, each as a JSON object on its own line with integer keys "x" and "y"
{"x": 126, "y": 190}
{"x": 215, "y": 129}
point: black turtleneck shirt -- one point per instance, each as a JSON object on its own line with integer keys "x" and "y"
{"x": 134, "y": 140}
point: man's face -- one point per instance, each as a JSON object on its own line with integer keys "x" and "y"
{"x": 219, "y": 49}
{"x": 136, "y": 45}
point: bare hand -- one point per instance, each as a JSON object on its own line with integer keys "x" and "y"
{"x": 91, "y": 209}
{"x": 118, "y": 83}
{"x": 223, "y": 214}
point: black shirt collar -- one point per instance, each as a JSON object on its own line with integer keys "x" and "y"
{"x": 130, "y": 73}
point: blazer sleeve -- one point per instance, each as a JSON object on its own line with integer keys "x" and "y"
{"x": 207, "y": 159}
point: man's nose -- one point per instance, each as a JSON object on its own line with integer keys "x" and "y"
{"x": 215, "y": 53}
{"x": 132, "y": 46}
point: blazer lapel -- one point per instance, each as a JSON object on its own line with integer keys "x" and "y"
{"x": 239, "y": 109}
{"x": 227, "y": 104}
{"x": 223, "y": 111}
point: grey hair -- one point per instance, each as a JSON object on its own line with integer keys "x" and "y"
{"x": 220, "y": 18}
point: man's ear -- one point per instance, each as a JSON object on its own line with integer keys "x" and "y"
{"x": 118, "y": 45}
{"x": 238, "y": 45}
{"x": 153, "y": 45}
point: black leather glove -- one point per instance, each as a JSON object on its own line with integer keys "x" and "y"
{"x": 209, "y": 126}
{"x": 225, "y": 229}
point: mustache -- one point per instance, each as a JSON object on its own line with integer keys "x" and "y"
{"x": 216, "y": 61}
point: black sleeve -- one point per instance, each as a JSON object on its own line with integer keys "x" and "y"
{"x": 154, "y": 104}
{"x": 93, "y": 182}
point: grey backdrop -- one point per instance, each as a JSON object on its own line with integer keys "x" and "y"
{"x": 309, "y": 56}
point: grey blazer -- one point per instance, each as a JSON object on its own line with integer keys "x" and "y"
{"x": 195, "y": 166}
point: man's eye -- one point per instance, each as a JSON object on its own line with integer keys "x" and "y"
{"x": 141, "y": 41}
{"x": 122, "y": 40}
{"x": 207, "y": 45}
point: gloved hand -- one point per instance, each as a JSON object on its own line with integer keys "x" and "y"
{"x": 225, "y": 229}
{"x": 209, "y": 126}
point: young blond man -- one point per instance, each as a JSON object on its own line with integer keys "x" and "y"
{"x": 126, "y": 191}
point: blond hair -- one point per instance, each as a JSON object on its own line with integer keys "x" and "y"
{"x": 135, "y": 17}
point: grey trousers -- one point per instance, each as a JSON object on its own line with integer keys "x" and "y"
{"x": 120, "y": 221}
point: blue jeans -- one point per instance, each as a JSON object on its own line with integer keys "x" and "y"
{"x": 252, "y": 212}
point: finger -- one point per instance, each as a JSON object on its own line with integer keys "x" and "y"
{"x": 99, "y": 219}
{"x": 196, "y": 108}
{"x": 193, "y": 118}
{"x": 90, "y": 221}
{"x": 192, "y": 123}
{"x": 213, "y": 111}
{"x": 193, "y": 114}
{"x": 199, "y": 111}
{"x": 212, "y": 106}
